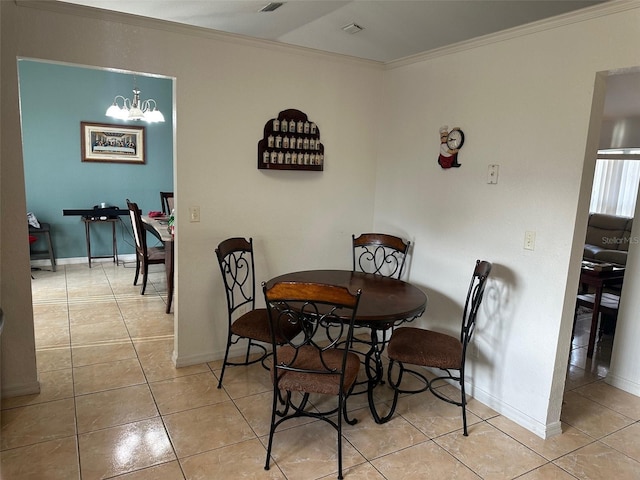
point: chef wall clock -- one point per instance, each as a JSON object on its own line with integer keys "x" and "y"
{"x": 451, "y": 142}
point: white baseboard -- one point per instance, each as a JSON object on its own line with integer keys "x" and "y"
{"x": 622, "y": 383}
{"x": 46, "y": 264}
{"x": 542, "y": 430}
{"x": 187, "y": 361}
{"x": 9, "y": 391}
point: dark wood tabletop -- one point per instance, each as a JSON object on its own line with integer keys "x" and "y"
{"x": 383, "y": 301}
{"x": 591, "y": 274}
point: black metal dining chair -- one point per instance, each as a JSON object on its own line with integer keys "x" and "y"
{"x": 244, "y": 320}
{"x": 315, "y": 361}
{"x": 440, "y": 351}
{"x": 380, "y": 253}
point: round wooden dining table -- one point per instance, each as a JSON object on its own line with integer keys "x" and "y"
{"x": 384, "y": 303}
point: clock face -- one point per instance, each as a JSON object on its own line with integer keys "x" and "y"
{"x": 455, "y": 139}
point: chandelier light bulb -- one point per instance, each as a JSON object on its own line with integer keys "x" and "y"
{"x": 135, "y": 109}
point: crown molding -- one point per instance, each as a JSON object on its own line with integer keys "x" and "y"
{"x": 608, "y": 8}
{"x": 602, "y": 10}
{"x": 188, "y": 30}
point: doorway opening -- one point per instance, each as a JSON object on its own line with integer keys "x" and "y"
{"x": 55, "y": 99}
{"x": 612, "y": 204}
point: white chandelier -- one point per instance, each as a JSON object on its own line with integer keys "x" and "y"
{"x": 135, "y": 109}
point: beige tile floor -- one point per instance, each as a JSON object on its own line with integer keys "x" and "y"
{"x": 112, "y": 405}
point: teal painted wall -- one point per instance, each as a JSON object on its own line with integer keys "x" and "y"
{"x": 54, "y": 99}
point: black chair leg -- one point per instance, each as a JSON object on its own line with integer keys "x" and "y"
{"x": 135, "y": 278}
{"x": 145, "y": 274}
{"x": 340, "y": 477}
{"x": 224, "y": 362}
{"x": 463, "y": 402}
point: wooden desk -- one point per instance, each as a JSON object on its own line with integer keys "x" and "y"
{"x": 159, "y": 227}
{"x": 384, "y": 303}
{"x": 97, "y": 215}
{"x": 598, "y": 279}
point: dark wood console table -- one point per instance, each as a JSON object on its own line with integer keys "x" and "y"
{"x": 591, "y": 275}
{"x": 99, "y": 215}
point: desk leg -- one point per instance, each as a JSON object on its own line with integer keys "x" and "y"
{"x": 87, "y": 233}
{"x": 168, "y": 260}
{"x": 594, "y": 321}
{"x": 115, "y": 242}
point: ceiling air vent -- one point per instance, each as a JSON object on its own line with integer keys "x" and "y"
{"x": 271, "y": 7}
{"x": 352, "y": 28}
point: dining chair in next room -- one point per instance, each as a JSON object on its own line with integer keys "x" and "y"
{"x": 145, "y": 255}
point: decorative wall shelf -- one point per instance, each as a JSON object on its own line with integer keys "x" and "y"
{"x": 291, "y": 142}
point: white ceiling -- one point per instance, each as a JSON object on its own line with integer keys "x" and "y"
{"x": 392, "y": 29}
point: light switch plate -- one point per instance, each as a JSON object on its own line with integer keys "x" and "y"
{"x": 492, "y": 174}
{"x": 529, "y": 240}
{"x": 194, "y": 214}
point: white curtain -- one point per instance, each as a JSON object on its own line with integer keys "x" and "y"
{"x": 615, "y": 187}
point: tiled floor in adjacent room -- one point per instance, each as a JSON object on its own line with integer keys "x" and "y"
{"x": 112, "y": 405}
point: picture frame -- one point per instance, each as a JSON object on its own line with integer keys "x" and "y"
{"x": 104, "y": 142}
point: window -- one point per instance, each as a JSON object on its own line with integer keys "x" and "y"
{"x": 615, "y": 187}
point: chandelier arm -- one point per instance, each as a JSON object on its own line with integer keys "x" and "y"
{"x": 148, "y": 102}
{"x": 135, "y": 109}
{"x": 117, "y": 97}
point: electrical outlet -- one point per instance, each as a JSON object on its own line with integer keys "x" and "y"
{"x": 529, "y": 240}
{"x": 194, "y": 214}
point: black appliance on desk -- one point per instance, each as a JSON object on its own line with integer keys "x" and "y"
{"x": 97, "y": 212}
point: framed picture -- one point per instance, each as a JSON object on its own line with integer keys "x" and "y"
{"x": 102, "y": 142}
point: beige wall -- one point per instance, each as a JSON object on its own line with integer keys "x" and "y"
{"x": 524, "y": 102}
{"x": 226, "y": 89}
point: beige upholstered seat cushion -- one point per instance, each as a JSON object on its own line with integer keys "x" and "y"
{"x": 418, "y": 346}
{"x": 309, "y": 358}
